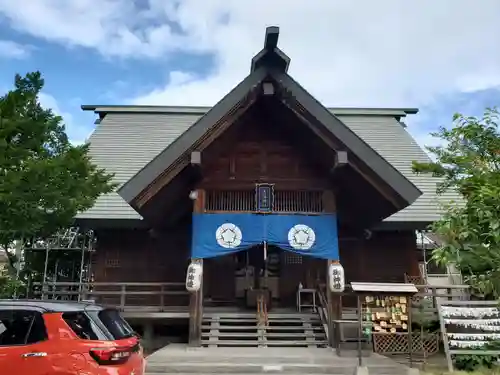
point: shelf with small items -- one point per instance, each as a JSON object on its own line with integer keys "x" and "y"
{"x": 387, "y": 314}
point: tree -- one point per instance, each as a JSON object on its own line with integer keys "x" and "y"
{"x": 44, "y": 179}
{"x": 469, "y": 163}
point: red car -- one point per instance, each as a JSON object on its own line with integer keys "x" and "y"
{"x": 66, "y": 338}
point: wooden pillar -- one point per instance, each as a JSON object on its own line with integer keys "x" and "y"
{"x": 196, "y": 298}
{"x": 148, "y": 336}
{"x": 334, "y": 300}
{"x": 413, "y": 255}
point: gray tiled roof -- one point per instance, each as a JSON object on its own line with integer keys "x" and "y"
{"x": 126, "y": 140}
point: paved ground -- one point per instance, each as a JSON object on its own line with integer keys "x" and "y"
{"x": 180, "y": 359}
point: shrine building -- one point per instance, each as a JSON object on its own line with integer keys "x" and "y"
{"x": 263, "y": 190}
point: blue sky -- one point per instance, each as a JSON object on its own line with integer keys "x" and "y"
{"x": 435, "y": 56}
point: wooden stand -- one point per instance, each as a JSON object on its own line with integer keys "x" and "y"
{"x": 385, "y": 292}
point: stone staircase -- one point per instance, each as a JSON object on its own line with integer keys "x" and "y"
{"x": 235, "y": 329}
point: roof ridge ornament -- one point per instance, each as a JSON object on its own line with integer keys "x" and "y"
{"x": 271, "y": 56}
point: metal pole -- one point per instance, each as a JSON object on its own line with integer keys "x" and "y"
{"x": 264, "y": 273}
{"x": 410, "y": 331}
{"x": 81, "y": 272}
{"x": 54, "y": 282}
{"x": 88, "y": 274}
{"x": 360, "y": 331}
{"x": 19, "y": 247}
{"x": 45, "y": 269}
{"x": 424, "y": 252}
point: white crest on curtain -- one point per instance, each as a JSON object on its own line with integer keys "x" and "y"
{"x": 228, "y": 235}
{"x": 301, "y": 237}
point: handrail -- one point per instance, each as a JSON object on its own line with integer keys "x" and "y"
{"x": 85, "y": 291}
{"x": 323, "y": 311}
{"x": 59, "y": 283}
{"x": 262, "y": 315}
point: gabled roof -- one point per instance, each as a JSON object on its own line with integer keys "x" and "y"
{"x": 129, "y": 137}
{"x": 271, "y": 65}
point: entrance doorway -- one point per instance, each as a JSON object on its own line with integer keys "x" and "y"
{"x": 227, "y": 279}
{"x": 258, "y": 269}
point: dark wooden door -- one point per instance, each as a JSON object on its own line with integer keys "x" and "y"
{"x": 219, "y": 279}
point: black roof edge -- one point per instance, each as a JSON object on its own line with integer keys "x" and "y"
{"x": 271, "y": 55}
{"x": 271, "y": 39}
{"x": 103, "y": 109}
{"x": 135, "y": 185}
{"x": 386, "y": 171}
{"x": 404, "y": 188}
{"x": 89, "y": 107}
{"x": 392, "y": 225}
{"x": 105, "y": 223}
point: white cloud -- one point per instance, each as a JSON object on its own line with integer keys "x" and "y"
{"x": 13, "y": 50}
{"x": 353, "y": 53}
{"x": 77, "y": 134}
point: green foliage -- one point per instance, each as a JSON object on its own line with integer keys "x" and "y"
{"x": 474, "y": 362}
{"x": 422, "y": 321}
{"x": 9, "y": 287}
{"x": 469, "y": 163}
{"x": 45, "y": 180}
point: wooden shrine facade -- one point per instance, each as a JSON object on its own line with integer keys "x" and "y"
{"x": 267, "y": 146}
{"x": 267, "y": 136}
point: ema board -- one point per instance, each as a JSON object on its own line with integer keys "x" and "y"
{"x": 469, "y": 327}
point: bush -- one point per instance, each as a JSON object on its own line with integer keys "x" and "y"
{"x": 8, "y": 286}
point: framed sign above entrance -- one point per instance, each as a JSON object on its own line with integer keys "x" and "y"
{"x": 264, "y": 197}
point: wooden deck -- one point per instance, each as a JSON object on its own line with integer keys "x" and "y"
{"x": 147, "y": 300}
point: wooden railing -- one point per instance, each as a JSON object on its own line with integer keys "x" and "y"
{"x": 262, "y": 316}
{"x": 323, "y": 311}
{"x": 304, "y": 201}
{"x": 424, "y": 302}
{"x": 124, "y": 296}
{"x": 165, "y": 296}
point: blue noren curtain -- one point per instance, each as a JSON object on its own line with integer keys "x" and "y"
{"x": 221, "y": 234}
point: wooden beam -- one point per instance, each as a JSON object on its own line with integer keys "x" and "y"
{"x": 341, "y": 160}
{"x": 379, "y": 188}
{"x": 158, "y": 184}
{"x": 199, "y": 145}
{"x": 196, "y": 158}
{"x": 196, "y": 164}
{"x": 334, "y": 144}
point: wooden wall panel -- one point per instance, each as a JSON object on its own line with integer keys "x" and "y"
{"x": 136, "y": 256}
{"x": 385, "y": 257}
{"x": 257, "y": 149}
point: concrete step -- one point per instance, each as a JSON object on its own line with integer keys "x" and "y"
{"x": 256, "y": 368}
{"x": 181, "y": 360}
{"x": 265, "y": 334}
{"x": 254, "y": 314}
{"x": 254, "y": 320}
{"x": 269, "y": 328}
{"x": 284, "y": 343}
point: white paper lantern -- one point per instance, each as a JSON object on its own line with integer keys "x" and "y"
{"x": 194, "y": 277}
{"x": 336, "y": 277}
